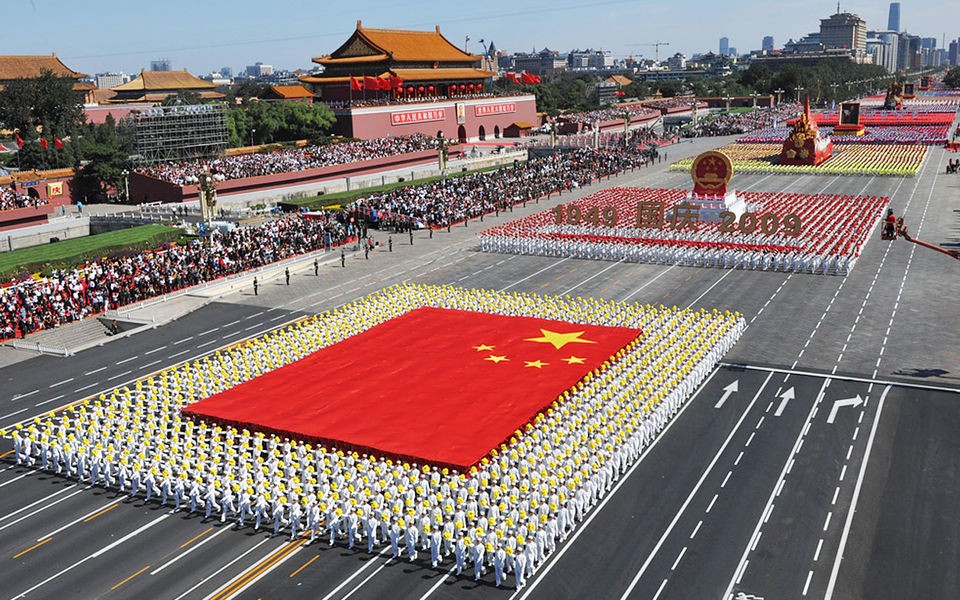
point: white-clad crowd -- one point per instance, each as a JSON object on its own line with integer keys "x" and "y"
{"x": 507, "y": 513}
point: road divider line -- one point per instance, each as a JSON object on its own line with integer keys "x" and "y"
{"x": 131, "y": 577}
{"x": 84, "y": 519}
{"x": 200, "y": 545}
{"x": 203, "y": 580}
{"x": 35, "y": 546}
{"x": 100, "y": 513}
{"x": 305, "y": 565}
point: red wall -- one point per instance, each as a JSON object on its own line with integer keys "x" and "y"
{"x": 148, "y": 189}
{"x": 24, "y": 217}
{"x": 375, "y": 121}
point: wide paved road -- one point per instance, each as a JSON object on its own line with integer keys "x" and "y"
{"x": 817, "y": 461}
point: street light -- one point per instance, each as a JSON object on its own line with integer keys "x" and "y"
{"x": 754, "y": 95}
{"x": 252, "y": 131}
{"x": 778, "y": 92}
{"x": 126, "y": 185}
{"x": 834, "y": 86}
{"x": 727, "y": 99}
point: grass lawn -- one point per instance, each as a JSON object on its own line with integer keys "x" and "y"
{"x": 347, "y": 197}
{"x": 78, "y": 250}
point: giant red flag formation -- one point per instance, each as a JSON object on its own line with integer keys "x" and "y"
{"x": 604, "y": 379}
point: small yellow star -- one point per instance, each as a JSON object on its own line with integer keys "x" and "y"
{"x": 482, "y": 347}
{"x": 535, "y": 363}
{"x": 559, "y": 340}
{"x": 496, "y": 359}
{"x": 573, "y": 360}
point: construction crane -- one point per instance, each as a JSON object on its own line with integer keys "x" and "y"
{"x": 894, "y": 227}
{"x": 656, "y": 45}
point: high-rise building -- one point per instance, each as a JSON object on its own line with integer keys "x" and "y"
{"x": 928, "y": 43}
{"x": 908, "y": 52}
{"x": 105, "y": 81}
{"x": 226, "y": 72}
{"x": 724, "y": 46}
{"x": 767, "y": 45}
{"x": 844, "y": 30}
{"x": 893, "y": 21}
{"x": 953, "y": 54}
{"x": 732, "y": 51}
{"x": 161, "y": 64}
{"x": 890, "y": 50}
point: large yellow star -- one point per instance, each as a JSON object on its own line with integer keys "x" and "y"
{"x": 535, "y": 363}
{"x": 573, "y": 360}
{"x": 559, "y": 340}
{"x": 496, "y": 359}
{"x": 482, "y": 347}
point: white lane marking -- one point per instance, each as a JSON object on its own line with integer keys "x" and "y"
{"x": 816, "y": 555}
{"x": 680, "y": 556}
{"x": 707, "y": 291}
{"x": 81, "y": 519}
{"x": 213, "y": 341}
{"x": 155, "y": 350}
{"x": 917, "y": 386}
{"x": 96, "y": 554}
{"x": 856, "y": 497}
{"x": 86, "y": 387}
{"x": 150, "y": 364}
{"x": 555, "y": 557}
{"x": 119, "y": 375}
{"x": 32, "y": 504}
{"x": 639, "y": 289}
{"x": 356, "y": 573}
{"x": 49, "y": 401}
{"x": 18, "y": 477}
{"x": 186, "y": 339}
{"x": 599, "y": 273}
{"x": 203, "y": 580}
{"x": 253, "y": 316}
{"x": 693, "y": 492}
{"x": 178, "y": 354}
{"x": 192, "y": 548}
{"x": 21, "y": 396}
{"x": 663, "y": 584}
{"x": 42, "y": 508}
{"x": 61, "y": 382}
{"x": 14, "y": 413}
{"x": 208, "y": 331}
{"x": 806, "y": 586}
{"x": 104, "y": 368}
{"x": 534, "y": 274}
{"x": 438, "y": 583}
{"x": 768, "y": 509}
{"x": 696, "y": 529}
{"x": 365, "y": 580}
{"x": 712, "y": 502}
{"x": 134, "y": 357}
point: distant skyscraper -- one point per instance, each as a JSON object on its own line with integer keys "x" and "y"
{"x": 226, "y": 72}
{"x": 161, "y": 64}
{"x": 732, "y": 51}
{"x": 953, "y": 55}
{"x": 893, "y": 21}
{"x": 767, "y": 43}
{"x": 724, "y": 46}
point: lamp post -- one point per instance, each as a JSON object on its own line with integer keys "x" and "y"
{"x": 252, "y": 131}
{"x": 778, "y": 92}
{"x": 727, "y": 99}
{"x": 754, "y": 95}
{"x": 126, "y": 185}
{"x": 834, "y": 87}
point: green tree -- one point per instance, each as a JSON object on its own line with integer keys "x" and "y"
{"x": 952, "y": 78}
{"x": 47, "y": 100}
{"x": 268, "y": 122}
{"x": 106, "y": 147}
{"x": 182, "y": 97}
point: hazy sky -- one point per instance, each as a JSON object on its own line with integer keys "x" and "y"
{"x": 202, "y": 35}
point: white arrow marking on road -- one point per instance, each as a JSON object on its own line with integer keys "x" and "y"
{"x": 785, "y": 397}
{"x": 839, "y": 403}
{"x": 733, "y": 387}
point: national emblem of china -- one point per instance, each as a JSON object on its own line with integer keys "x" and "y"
{"x": 711, "y": 172}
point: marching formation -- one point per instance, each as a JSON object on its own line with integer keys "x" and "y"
{"x": 902, "y": 160}
{"x": 830, "y": 232}
{"x": 507, "y": 514}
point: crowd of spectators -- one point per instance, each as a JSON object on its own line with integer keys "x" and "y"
{"x": 10, "y": 200}
{"x": 609, "y": 114}
{"x": 286, "y": 160}
{"x": 69, "y": 295}
{"x": 743, "y": 122}
{"x": 451, "y": 201}
{"x": 667, "y": 104}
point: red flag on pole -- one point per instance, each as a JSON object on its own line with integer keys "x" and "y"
{"x": 356, "y": 84}
{"x": 19, "y": 140}
{"x": 58, "y": 143}
{"x": 396, "y": 83}
{"x": 371, "y": 83}
{"x": 44, "y": 144}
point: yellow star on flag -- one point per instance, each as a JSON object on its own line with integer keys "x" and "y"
{"x": 482, "y": 347}
{"x": 573, "y": 360}
{"x": 496, "y": 359}
{"x": 559, "y": 340}
{"x": 535, "y": 363}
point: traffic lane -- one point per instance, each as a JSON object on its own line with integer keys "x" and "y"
{"x": 904, "y": 541}
{"x": 733, "y": 498}
{"x": 67, "y": 554}
{"x": 44, "y": 501}
{"x": 212, "y": 555}
{"x": 42, "y": 372}
{"x": 182, "y": 348}
{"x": 795, "y": 552}
{"x": 617, "y": 540}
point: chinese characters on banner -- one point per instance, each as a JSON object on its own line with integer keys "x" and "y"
{"x": 417, "y": 116}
